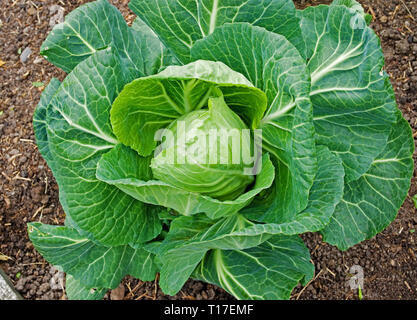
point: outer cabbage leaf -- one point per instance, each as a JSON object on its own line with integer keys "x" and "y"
{"x": 94, "y": 265}
{"x": 372, "y": 202}
{"x": 190, "y": 238}
{"x": 180, "y": 23}
{"x": 75, "y": 290}
{"x": 97, "y": 26}
{"x": 268, "y": 271}
{"x": 325, "y": 194}
{"x": 125, "y": 169}
{"x": 353, "y": 101}
{"x": 275, "y": 66}
{"x": 353, "y": 4}
{"x": 39, "y": 120}
{"x": 79, "y": 132}
{"x": 150, "y": 103}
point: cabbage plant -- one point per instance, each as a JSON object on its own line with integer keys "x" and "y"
{"x": 329, "y": 150}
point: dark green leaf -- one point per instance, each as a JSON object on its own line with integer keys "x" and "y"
{"x": 353, "y": 100}
{"x": 97, "y": 26}
{"x": 180, "y": 23}
{"x": 94, "y": 265}
{"x": 269, "y": 271}
{"x": 39, "y": 120}
{"x": 325, "y": 194}
{"x": 75, "y": 290}
{"x": 79, "y": 132}
{"x": 372, "y": 202}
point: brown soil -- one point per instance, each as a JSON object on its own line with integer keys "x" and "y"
{"x": 28, "y": 191}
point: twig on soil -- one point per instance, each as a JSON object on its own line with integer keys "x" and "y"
{"x": 187, "y": 296}
{"x": 395, "y": 11}
{"x": 31, "y": 264}
{"x": 128, "y": 287}
{"x": 14, "y": 157}
{"x": 305, "y": 287}
{"x": 408, "y": 286}
{"x": 411, "y": 15}
{"x": 372, "y": 12}
{"x": 3, "y": 257}
{"x": 46, "y": 184}
{"x": 349, "y": 295}
{"x": 34, "y": 4}
{"x": 412, "y": 253}
{"x": 17, "y": 177}
{"x": 314, "y": 250}
{"x": 6, "y": 176}
{"x": 132, "y": 291}
{"x": 411, "y": 31}
{"x": 144, "y": 295}
{"x": 37, "y": 211}
{"x": 37, "y": 11}
{"x": 332, "y": 273}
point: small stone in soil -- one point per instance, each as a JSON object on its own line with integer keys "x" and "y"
{"x": 25, "y": 54}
